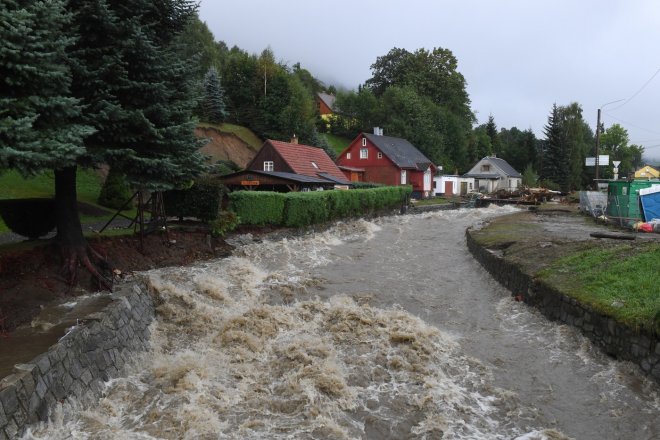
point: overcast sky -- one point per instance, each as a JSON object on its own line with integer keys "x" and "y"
{"x": 518, "y": 57}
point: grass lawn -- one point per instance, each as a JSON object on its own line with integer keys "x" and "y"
{"x": 432, "y": 201}
{"x": 14, "y": 186}
{"x": 245, "y": 134}
{"x": 621, "y": 281}
{"x": 337, "y": 143}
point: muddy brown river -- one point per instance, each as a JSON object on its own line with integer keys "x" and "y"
{"x": 383, "y": 329}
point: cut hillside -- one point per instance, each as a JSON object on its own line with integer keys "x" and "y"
{"x": 225, "y": 146}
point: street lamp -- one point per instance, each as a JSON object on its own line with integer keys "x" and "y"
{"x": 598, "y": 134}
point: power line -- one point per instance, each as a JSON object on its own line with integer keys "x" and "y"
{"x": 637, "y": 92}
{"x": 631, "y": 124}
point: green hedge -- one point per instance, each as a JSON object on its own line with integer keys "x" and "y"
{"x": 258, "y": 207}
{"x": 201, "y": 201}
{"x": 308, "y": 208}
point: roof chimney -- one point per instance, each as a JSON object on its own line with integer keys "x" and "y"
{"x": 378, "y": 131}
{"x": 294, "y": 139}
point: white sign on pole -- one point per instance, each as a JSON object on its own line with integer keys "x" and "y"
{"x": 603, "y": 159}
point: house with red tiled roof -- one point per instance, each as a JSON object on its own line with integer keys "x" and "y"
{"x": 288, "y": 166}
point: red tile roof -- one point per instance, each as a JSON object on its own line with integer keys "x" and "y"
{"x": 300, "y": 159}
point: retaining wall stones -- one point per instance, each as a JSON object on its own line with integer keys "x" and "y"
{"x": 616, "y": 339}
{"x": 92, "y": 352}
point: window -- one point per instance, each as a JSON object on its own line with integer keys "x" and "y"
{"x": 485, "y": 167}
{"x": 403, "y": 177}
{"x": 314, "y": 165}
{"x": 364, "y": 153}
{"x": 380, "y": 155}
{"x": 364, "y": 142}
{"x": 268, "y": 165}
{"x": 348, "y": 155}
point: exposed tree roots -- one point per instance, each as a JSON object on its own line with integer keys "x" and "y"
{"x": 84, "y": 255}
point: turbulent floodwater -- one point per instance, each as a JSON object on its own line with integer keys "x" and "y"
{"x": 378, "y": 330}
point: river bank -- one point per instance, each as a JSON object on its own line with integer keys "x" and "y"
{"x": 376, "y": 329}
{"x": 524, "y": 252}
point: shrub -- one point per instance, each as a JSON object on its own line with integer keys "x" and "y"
{"x": 307, "y": 208}
{"x": 227, "y": 221}
{"x": 115, "y": 191}
{"x": 31, "y": 218}
{"x": 201, "y": 200}
{"x": 258, "y": 207}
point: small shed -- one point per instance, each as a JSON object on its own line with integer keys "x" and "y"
{"x": 449, "y": 185}
{"x": 623, "y": 199}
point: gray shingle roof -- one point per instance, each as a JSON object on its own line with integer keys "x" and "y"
{"x": 328, "y": 99}
{"x": 400, "y": 151}
{"x": 504, "y": 166}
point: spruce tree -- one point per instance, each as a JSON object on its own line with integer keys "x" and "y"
{"x": 38, "y": 128}
{"x": 555, "y": 155}
{"x": 213, "y": 102}
{"x": 117, "y": 60}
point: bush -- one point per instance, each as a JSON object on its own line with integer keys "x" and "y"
{"x": 31, "y": 218}
{"x": 201, "y": 201}
{"x": 306, "y": 208}
{"x": 258, "y": 207}
{"x": 115, "y": 191}
{"x": 227, "y": 221}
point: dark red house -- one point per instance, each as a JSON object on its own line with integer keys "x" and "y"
{"x": 387, "y": 160}
{"x": 326, "y": 103}
{"x": 288, "y": 166}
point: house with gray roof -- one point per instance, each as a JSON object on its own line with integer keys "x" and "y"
{"x": 493, "y": 173}
{"x": 388, "y": 160}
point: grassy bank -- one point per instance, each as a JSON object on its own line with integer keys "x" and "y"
{"x": 616, "y": 278}
{"x": 337, "y": 143}
{"x": 620, "y": 281}
{"x": 243, "y": 133}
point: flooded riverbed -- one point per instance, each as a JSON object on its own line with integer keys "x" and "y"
{"x": 384, "y": 329}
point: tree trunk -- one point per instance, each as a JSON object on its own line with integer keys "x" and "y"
{"x": 72, "y": 243}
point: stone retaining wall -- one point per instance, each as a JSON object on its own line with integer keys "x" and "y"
{"x": 618, "y": 340}
{"x": 91, "y": 353}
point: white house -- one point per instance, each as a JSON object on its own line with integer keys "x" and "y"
{"x": 492, "y": 173}
{"x": 449, "y": 185}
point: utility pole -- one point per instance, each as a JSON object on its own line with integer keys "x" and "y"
{"x": 598, "y": 135}
{"x": 597, "y": 144}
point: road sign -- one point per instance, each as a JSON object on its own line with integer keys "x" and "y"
{"x": 603, "y": 159}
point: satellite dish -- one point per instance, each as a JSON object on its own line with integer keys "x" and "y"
{"x": 616, "y": 163}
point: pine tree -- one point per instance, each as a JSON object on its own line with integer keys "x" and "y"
{"x": 495, "y": 141}
{"x": 213, "y": 102}
{"x": 38, "y": 128}
{"x": 555, "y": 155}
{"x": 117, "y": 60}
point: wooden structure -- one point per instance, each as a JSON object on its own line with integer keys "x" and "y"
{"x": 150, "y": 215}
{"x": 387, "y": 160}
{"x": 325, "y": 103}
{"x": 288, "y": 166}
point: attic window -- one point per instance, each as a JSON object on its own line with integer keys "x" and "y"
{"x": 364, "y": 153}
{"x": 348, "y": 155}
{"x": 380, "y": 155}
{"x": 364, "y": 142}
{"x": 268, "y": 165}
{"x": 485, "y": 167}
{"x": 314, "y": 165}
